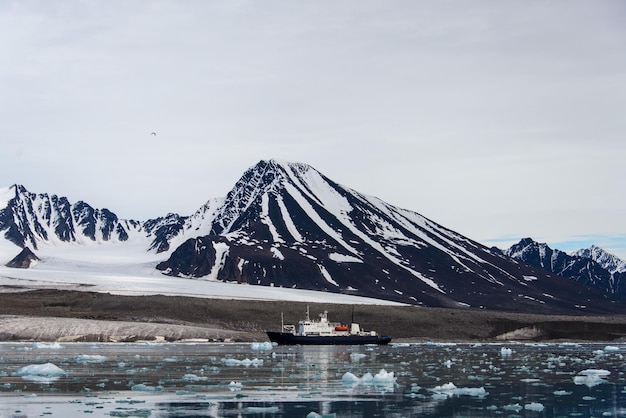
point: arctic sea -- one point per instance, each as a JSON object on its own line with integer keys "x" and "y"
{"x": 261, "y": 380}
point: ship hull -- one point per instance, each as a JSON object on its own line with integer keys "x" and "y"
{"x": 287, "y": 338}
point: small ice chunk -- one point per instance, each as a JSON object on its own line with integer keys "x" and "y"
{"x": 595, "y": 372}
{"x": 194, "y": 378}
{"x": 357, "y": 356}
{"x": 450, "y": 389}
{"x": 383, "y": 377}
{"x": 90, "y": 358}
{"x": 534, "y": 406}
{"x": 48, "y": 346}
{"x": 233, "y": 385}
{"x": 349, "y": 379}
{"x": 261, "y": 346}
{"x": 561, "y": 393}
{"x": 145, "y": 388}
{"x": 445, "y": 387}
{"x": 611, "y": 348}
{"x": 513, "y": 407}
{"x": 591, "y": 377}
{"x": 504, "y": 351}
{"x": 47, "y": 369}
{"x": 245, "y": 362}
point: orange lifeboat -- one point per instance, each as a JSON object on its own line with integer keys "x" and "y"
{"x": 341, "y": 328}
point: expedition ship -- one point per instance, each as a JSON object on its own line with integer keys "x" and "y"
{"x": 323, "y": 332}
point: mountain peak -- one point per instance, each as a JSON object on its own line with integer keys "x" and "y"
{"x": 607, "y": 260}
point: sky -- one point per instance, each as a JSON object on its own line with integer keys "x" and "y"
{"x": 497, "y": 119}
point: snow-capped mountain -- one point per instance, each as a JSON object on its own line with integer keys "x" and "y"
{"x": 287, "y": 225}
{"x": 607, "y": 260}
{"x": 593, "y": 267}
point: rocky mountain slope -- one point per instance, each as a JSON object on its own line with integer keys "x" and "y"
{"x": 286, "y": 224}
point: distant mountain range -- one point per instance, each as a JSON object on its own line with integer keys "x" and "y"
{"x": 592, "y": 267}
{"x": 286, "y": 224}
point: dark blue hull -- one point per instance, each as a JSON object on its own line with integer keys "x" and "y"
{"x": 287, "y": 338}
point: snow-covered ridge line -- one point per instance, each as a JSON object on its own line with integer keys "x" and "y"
{"x": 286, "y": 225}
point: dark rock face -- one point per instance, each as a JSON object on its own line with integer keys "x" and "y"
{"x": 31, "y": 218}
{"x": 163, "y": 230}
{"x": 23, "y": 260}
{"x": 580, "y": 269}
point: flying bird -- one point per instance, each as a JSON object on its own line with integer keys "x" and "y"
{"x": 153, "y": 133}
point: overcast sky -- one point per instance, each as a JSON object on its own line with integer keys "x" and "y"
{"x": 497, "y": 119}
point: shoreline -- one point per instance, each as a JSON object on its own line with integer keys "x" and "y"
{"x": 57, "y": 315}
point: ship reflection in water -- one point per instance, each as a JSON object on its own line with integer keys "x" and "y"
{"x": 263, "y": 379}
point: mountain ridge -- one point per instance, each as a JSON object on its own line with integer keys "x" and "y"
{"x": 592, "y": 267}
{"x": 286, "y": 224}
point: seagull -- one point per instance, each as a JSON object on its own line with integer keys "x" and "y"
{"x": 153, "y": 134}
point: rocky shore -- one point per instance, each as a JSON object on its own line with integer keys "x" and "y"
{"x": 54, "y": 315}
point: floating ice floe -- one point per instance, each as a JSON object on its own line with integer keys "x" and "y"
{"x": 235, "y": 385}
{"x": 382, "y": 378}
{"x": 261, "y": 346}
{"x": 48, "y": 370}
{"x": 591, "y": 377}
{"x": 561, "y": 393}
{"x": 194, "y": 378}
{"x": 41, "y": 373}
{"x": 245, "y": 362}
{"x": 357, "y": 356}
{"x": 450, "y": 389}
{"x": 611, "y": 348}
{"x": 534, "y": 406}
{"x": 513, "y": 407}
{"x": 146, "y": 388}
{"x": 90, "y": 358}
{"x": 47, "y": 346}
{"x": 505, "y": 351}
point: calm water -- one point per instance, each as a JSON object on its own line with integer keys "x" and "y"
{"x": 242, "y": 380}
